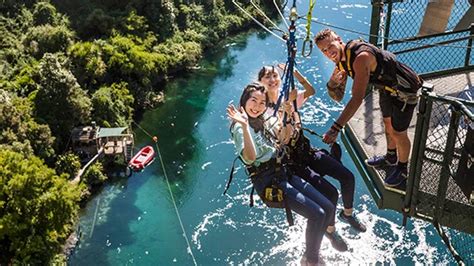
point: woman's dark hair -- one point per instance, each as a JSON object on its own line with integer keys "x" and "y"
{"x": 255, "y": 123}
{"x": 249, "y": 89}
{"x": 264, "y": 71}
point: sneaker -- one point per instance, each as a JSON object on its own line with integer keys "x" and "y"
{"x": 336, "y": 241}
{"x": 397, "y": 177}
{"x": 381, "y": 161}
{"x": 353, "y": 221}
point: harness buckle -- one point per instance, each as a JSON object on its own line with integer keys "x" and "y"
{"x": 393, "y": 92}
{"x": 273, "y": 194}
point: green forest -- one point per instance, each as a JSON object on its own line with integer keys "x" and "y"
{"x": 67, "y": 63}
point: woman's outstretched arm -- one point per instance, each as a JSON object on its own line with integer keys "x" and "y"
{"x": 249, "y": 153}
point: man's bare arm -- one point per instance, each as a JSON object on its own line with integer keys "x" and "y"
{"x": 362, "y": 65}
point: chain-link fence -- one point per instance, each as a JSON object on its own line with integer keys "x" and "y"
{"x": 406, "y": 17}
{"x": 424, "y": 59}
{"x": 442, "y": 190}
{"x": 400, "y": 23}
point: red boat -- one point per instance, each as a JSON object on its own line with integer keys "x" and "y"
{"x": 142, "y": 159}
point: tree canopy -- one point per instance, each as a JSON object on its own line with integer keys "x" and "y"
{"x": 20, "y": 131}
{"x": 60, "y": 102}
{"x": 37, "y": 208}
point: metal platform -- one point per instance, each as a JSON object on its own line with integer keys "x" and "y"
{"x": 364, "y": 137}
{"x": 441, "y": 172}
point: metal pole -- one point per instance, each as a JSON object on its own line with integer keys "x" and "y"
{"x": 377, "y": 5}
{"x": 387, "y": 26}
{"x": 448, "y": 157}
{"x": 420, "y": 155}
{"x": 419, "y": 144}
{"x": 469, "y": 44}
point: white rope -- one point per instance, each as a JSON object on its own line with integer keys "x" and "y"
{"x": 265, "y": 15}
{"x": 256, "y": 21}
{"x": 175, "y": 206}
{"x": 281, "y": 15}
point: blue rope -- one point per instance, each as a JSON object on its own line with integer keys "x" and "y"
{"x": 289, "y": 80}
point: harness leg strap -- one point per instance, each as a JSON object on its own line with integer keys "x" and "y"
{"x": 251, "y": 196}
{"x": 289, "y": 215}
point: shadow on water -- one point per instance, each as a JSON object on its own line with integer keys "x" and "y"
{"x": 103, "y": 224}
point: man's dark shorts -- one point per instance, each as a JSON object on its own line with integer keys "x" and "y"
{"x": 392, "y": 107}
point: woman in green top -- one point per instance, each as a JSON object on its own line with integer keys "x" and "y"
{"x": 253, "y": 137}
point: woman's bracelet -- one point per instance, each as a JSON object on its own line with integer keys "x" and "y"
{"x": 335, "y": 128}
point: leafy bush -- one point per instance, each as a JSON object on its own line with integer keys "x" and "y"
{"x": 68, "y": 164}
{"x": 88, "y": 64}
{"x": 20, "y": 130}
{"x": 37, "y": 208}
{"x": 25, "y": 78}
{"x": 113, "y": 105}
{"x": 94, "y": 175}
{"x": 47, "y": 39}
{"x": 45, "y": 13}
{"x": 60, "y": 101}
{"x": 97, "y": 24}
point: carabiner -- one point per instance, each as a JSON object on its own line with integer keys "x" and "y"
{"x": 307, "y": 40}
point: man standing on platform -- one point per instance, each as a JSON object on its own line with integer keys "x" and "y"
{"x": 398, "y": 84}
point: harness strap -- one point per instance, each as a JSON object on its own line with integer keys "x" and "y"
{"x": 391, "y": 90}
{"x": 347, "y": 64}
{"x": 289, "y": 214}
{"x": 286, "y": 206}
{"x": 251, "y": 196}
{"x": 405, "y": 97}
{"x": 275, "y": 197}
{"x": 231, "y": 175}
{"x": 308, "y": 40}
